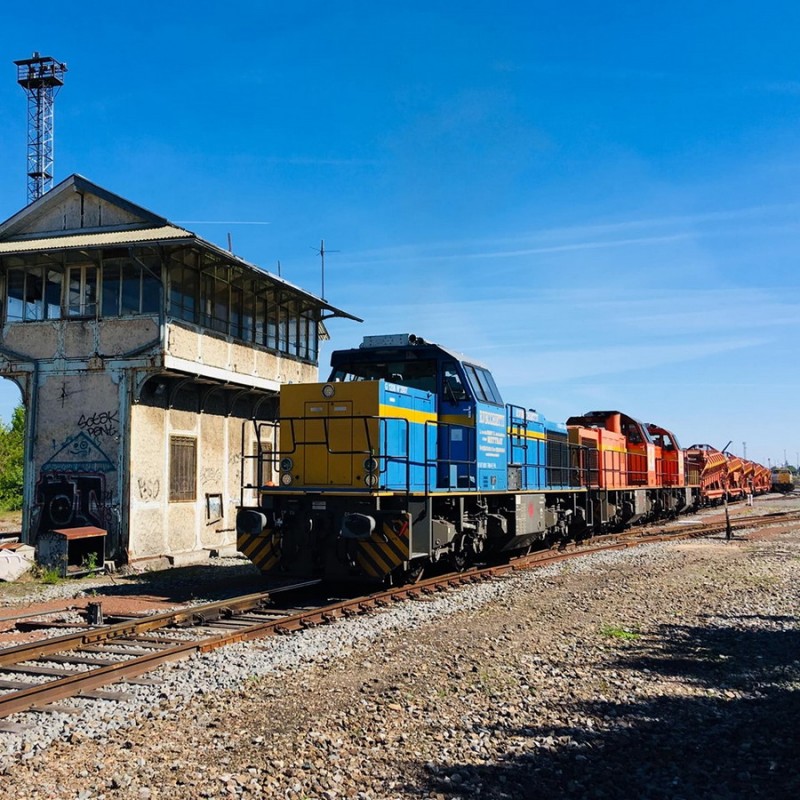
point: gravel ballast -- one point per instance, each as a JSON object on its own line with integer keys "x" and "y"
{"x": 669, "y": 670}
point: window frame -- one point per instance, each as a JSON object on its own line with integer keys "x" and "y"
{"x": 85, "y": 308}
{"x": 183, "y": 474}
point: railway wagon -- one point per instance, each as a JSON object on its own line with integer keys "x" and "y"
{"x": 408, "y": 455}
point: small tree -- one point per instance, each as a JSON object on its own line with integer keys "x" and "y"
{"x": 12, "y": 452}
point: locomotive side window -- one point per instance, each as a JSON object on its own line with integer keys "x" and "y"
{"x": 452, "y": 387}
{"x": 415, "y": 374}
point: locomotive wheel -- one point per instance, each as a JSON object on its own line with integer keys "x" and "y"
{"x": 415, "y": 571}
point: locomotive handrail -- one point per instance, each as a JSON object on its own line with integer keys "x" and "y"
{"x": 437, "y": 460}
{"x": 275, "y": 455}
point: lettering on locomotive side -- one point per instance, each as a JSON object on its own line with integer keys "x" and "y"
{"x": 492, "y": 418}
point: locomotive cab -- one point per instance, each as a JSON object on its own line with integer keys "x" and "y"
{"x": 471, "y": 420}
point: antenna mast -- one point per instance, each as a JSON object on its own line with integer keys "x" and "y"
{"x": 41, "y": 77}
{"x": 321, "y": 253}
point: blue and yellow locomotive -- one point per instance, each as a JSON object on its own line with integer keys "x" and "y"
{"x": 407, "y": 455}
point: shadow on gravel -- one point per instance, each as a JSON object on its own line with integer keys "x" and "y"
{"x": 735, "y": 736}
{"x": 183, "y": 584}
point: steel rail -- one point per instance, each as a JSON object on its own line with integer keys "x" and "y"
{"x": 196, "y": 614}
{"x": 40, "y": 695}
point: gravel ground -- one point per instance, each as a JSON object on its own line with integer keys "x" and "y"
{"x": 666, "y": 671}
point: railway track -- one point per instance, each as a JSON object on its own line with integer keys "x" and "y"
{"x": 79, "y": 664}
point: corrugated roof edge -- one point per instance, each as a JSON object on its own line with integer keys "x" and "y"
{"x": 69, "y": 241}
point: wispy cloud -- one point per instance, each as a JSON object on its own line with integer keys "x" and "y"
{"x": 572, "y": 364}
{"x": 579, "y": 237}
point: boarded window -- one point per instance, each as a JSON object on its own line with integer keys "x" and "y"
{"x": 182, "y": 468}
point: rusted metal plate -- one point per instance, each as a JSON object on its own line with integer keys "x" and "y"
{"x": 85, "y": 532}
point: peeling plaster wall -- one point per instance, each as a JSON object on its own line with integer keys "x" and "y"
{"x": 35, "y": 339}
{"x": 116, "y": 336}
{"x": 79, "y": 339}
{"x": 242, "y": 360}
{"x": 159, "y": 526}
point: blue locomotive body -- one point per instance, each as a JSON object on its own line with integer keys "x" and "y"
{"x": 405, "y": 456}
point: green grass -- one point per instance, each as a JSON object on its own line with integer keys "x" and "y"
{"x": 617, "y": 632}
{"x": 49, "y": 575}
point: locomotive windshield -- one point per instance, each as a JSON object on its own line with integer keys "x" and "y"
{"x": 483, "y": 384}
{"x": 415, "y": 374}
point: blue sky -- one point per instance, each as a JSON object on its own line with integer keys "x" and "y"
{"x": 598, "y": 200}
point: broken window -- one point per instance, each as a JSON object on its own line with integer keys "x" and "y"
{"x": 82, "y": 291}
{"x": 33, "y": 294}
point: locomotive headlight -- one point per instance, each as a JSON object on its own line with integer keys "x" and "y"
{"x": 371, "y": 481}
{"x": 328, "y": 390}
{"x": 286, "y": 479}
{"x": 286, "y": 464}
{"x": 370, "y": 465}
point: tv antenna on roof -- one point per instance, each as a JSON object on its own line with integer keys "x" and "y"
{"x": 41, "y": 77}
{"x": 321, "y": 253}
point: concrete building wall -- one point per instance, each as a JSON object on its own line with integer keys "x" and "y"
{"x": 217, "y": 423}
{"x": 189, "y": 347}
{"x": 51, "y": 340}
{"x": 76, "y": 462}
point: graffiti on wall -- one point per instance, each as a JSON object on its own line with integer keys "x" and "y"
{"x": 149, "y": 488}
{"x": 71, "y": 491}
{"x": 101, "y": 423}
{"x": 210, "y": 476}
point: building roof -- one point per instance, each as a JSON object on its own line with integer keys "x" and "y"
{"x": 95, "y": 239}
{"x": 59, "y": 220}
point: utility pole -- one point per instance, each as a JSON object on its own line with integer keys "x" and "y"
{"x": 41, "y": 77}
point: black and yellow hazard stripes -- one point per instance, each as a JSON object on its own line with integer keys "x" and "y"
{"x": 386, "y": 549}
{"x": 263, "y": 550}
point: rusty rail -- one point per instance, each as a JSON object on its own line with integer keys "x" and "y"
{"x": 258, "y": 621}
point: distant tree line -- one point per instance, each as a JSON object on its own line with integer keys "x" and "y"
{"x": 12, "y": 449}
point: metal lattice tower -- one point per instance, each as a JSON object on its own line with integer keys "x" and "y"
{"x": 41, "y": 77}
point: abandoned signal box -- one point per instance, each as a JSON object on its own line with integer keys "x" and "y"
{"x": 140, "y": 350}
